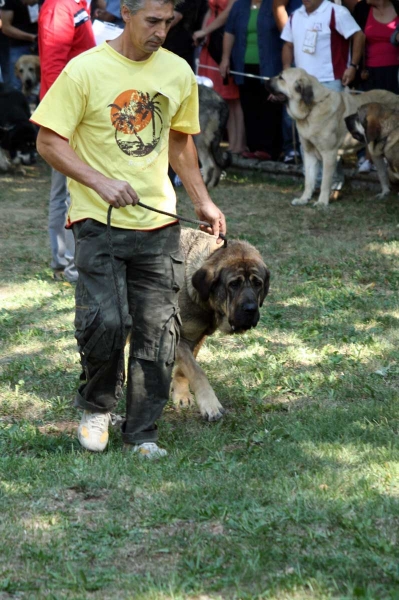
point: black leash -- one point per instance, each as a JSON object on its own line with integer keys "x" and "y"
{"x": 121, "y": 363}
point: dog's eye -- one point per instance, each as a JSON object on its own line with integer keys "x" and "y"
{"x": 235, "y": 283}
{"x": 257, "y": 283}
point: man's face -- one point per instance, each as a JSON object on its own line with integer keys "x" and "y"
{"x": 311, "y": 5}
{"x": 149, "y": 27}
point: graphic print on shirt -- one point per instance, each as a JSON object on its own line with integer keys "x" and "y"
{"x": 138, "y": 122}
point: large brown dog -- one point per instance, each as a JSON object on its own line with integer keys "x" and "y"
{"x": 378, "y": 126}
{"x": 27, "y": 69}
{"x": 319, "y": 114}
{"x": 223, "y": 289}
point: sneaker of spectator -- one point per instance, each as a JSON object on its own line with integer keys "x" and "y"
{"x": 292, "y": 158}
{"x": 365, "y": 166}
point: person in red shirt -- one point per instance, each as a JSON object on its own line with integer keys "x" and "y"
{"x": 65, "y": 31}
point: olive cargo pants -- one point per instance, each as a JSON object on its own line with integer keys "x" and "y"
{"x": 150, "y": 271}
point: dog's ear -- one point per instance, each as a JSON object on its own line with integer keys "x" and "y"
{"x": 203, "y": 281}
{"x": 305, "y": 90}
{"x": 372, "y": 128}
{"x": 266, "y": 283}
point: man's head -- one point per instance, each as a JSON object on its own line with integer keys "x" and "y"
{"x": 147, "y": 22}
{"x": 311, "y": 5}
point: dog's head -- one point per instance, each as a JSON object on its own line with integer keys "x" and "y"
{"x": 234, "y": 281}
{"x": 292, "y": 85}
{"x": 27, "y": 69}
{"x": 366, "y": 124}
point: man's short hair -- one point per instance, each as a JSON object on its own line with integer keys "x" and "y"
{"x": 135, "y": 5}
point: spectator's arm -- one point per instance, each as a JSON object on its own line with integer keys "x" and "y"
{"x": 287, "y": 56}
{"x": 218, "y": 22}
{"x": 9, "y": 30}
{"x": 358, "y": 41}
{"x": 177, "y": 17}
{"x": 228, "y": 43}
{"x": 280, "y": 13}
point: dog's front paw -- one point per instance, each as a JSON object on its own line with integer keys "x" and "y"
{"x": 210, "y": 408}
{"x": 300, "y": 201}
{"x": 321, "y": 204}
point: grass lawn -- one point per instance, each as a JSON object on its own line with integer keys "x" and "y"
{"x": 293, "y": 495}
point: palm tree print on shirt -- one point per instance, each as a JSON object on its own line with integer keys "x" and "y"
{"x": 131, "y": 113}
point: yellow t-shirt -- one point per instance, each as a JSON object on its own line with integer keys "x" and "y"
{"x": 116, "y": 114}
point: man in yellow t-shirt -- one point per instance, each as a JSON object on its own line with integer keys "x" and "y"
{"x": 112, "y": 122}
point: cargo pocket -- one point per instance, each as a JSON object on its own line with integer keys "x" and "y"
{"x": 173, "y": 329}
{"x": 89, "y": 332}
{"x": 177, "y": 261}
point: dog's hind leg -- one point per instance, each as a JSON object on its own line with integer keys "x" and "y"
{"x": 181, "y": 395}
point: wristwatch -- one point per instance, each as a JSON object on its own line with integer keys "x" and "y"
{"x": 354, "y": 66}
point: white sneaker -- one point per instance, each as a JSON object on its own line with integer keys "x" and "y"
{"x": 365, "y": 166}
{"x": 93, "y": 430}
{"x": 149, "y": 450}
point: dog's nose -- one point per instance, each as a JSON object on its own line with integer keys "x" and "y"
{"x": 250, "y": 307}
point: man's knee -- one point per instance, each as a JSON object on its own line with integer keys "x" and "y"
{"x": 98, "y": 332}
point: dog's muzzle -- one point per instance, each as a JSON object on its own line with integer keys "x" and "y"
{"x": 276, "y": 95}
{"x": 245, "y": 317}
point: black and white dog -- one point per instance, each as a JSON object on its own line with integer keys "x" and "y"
{"x": 17, "y": 133}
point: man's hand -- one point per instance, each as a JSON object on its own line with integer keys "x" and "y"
{"x": 199, "y": 37}
{"x": 209, "y": 212}
{"x": 117, "y": 193}
{"x": 348, "y": 76}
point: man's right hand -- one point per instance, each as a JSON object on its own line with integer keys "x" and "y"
{"x": 117, "y": 193}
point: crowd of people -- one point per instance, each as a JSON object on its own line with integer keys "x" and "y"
{"x": 352, "y": 44}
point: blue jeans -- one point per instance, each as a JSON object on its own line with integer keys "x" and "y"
{"x": 15, "y": 53}
{"x": 62, "y": 242}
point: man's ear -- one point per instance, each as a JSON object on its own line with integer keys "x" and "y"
{"x": 305, "y": 90}
{"x": 125, "y": 13}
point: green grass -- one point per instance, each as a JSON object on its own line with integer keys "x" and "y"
{"x": 293, "y": 495}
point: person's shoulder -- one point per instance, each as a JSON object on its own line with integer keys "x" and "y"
{"x": 89, "y": 56}
{"x": 341, "y": 11}
{"x": 170, "y": 58}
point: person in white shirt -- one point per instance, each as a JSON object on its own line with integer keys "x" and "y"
{"x": 318, "y": 36}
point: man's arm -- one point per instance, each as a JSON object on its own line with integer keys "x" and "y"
{"x": 9, "y": 30}
{"x": 287, "y": 55}
{"x": 58, "y": 153}
{"x": 280, "y": 13}
{"x": 358, "y": 40}
{"x": 53, "y": 54}
{"x": 184, "y": 160}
